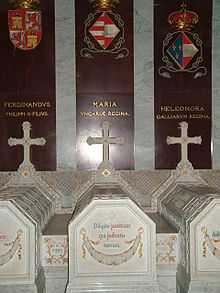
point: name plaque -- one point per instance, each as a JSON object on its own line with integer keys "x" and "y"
{"x": 182, "y": 80}
{"x": 27, "y": 81}
{"x": 104, "y": 80}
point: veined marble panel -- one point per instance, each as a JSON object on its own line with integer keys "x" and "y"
{"x": 65, "y": 83}
{"x": 215, "y": 84}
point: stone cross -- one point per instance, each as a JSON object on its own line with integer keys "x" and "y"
{"x": 105, "y": 140}
{"x": 184, "y": 140}
{"x": 26, "y": 142}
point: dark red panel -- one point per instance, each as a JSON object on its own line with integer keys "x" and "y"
{"x": 27, "y": 92}
{"x": 183, "y": 80}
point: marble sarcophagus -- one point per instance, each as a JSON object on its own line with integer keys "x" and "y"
{"x": 195, "y": 211}
{"x": 24, "y": 213}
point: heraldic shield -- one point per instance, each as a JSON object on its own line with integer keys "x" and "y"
{"x": 25, "y": 27}
{"x": 104, "y": 31}
{"x": 183, "y": 49}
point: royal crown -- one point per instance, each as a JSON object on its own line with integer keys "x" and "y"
{"x": 104, "y": 5}
{"x": 28, "y": 4}
{"x": 183, "y": 19}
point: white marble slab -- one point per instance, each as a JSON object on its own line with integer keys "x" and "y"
{"x": 112, "y": 242}
{"x": 17, "y": 246}
{"x": 205, "y": 243}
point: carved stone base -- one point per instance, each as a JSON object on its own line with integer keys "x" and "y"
{"x": 204, "y": 287}
{"x": 38, "y": 287}
{"x": 56, "y": 279}
{"x": 199, "y": 287}
{"x": 167, "y": 283}
{"x": 143, "y": 287}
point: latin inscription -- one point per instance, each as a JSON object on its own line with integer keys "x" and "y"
{"x": 182, "y": 112}
{"x": 104, "y": 108}
{"x": 32, "y": 109}
{"x": 111, "y": 234}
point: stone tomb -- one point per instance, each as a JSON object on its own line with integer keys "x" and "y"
{"x": 24, "y": 213}
{"x": 195, "y": 211}
{"x": 112, "y": 247}
{"x": 205, "y": 244}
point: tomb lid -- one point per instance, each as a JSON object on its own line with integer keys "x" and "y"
{"x": 31, "y": 201}
{"x": 101, "y": 191}
{"x": 162, "y": 226}
{"x": 185, "y": 202}
{"x": 58, "y": 225}
{"x": 67, "y": 182}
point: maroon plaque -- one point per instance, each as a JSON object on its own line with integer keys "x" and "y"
{"x": 104, "y": 81}
{"x": 183, "y": 82}
{"x": 27, "y": 81}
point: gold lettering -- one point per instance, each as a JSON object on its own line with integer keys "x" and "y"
{"x": 171, "y": 116}
{"x": 199, "y": 116}
{"x": 15, "y": 114}
{"x": 39, "y": 114}
{"x": 93, "y": 114}
{"x": 118, "y": 114}
{"x": 33, "y": 104}
{"x": 105, "y": 104}
{"x": 181, "y": 108}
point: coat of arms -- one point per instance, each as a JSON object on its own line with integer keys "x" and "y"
{"x": 183, "y": 49}
{"x": 24, "y": 23}
{"x": 104, "y": 31}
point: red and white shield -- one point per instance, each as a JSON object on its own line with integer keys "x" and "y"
{"x": 104, "y": 30}
{"x": 25, "y": 28}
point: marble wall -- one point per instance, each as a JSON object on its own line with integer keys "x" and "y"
{"x": 216, "y": 85}
{"x": 144, "y": 88}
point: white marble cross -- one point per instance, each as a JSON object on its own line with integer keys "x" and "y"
{"x": 26, "y": 142}
{"x": 184, "y": 140}
{"x": 105, "y": 140}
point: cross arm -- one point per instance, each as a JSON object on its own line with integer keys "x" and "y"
{"x": 173, "y": 140}
{"x": 14, "y": 141}
{"x": 117, "y": 140}
{"x": 39, "y": 141}
{"x": 195, "y": 140}
{"x": 94, "y": 140}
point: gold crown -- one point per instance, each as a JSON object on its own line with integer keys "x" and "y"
{"x": 183, "y": 19}
{"x": 104, "y": 5}
{"x": 29, "y": 4}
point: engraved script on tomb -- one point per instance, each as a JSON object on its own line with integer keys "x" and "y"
{"x": 208, "y": 241}
{"x": 111, "y": 239}
{"x": 136, "y": 246}
{"x": 14, "y": 251}
{"x": 13, "y": 247}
